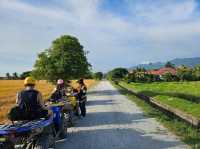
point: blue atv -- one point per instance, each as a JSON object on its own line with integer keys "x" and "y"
{"x": 36, "y": 134}
{"x": 60, "y": 118}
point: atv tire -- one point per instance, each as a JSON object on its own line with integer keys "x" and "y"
{"x": 42, "y": 142}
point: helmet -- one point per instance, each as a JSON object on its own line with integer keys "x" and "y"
{"x": 60, "y": 81}
{"x": 29, "y": 81}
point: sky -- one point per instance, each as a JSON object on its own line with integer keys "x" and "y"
{"x": 118, "y": 33}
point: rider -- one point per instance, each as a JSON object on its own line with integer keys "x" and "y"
{"x": 59, "y": 92}
{"x": 82, "y": 91}
{"x": 29, "y": 100}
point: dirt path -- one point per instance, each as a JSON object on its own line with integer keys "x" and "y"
{"x": 114, "y": 122}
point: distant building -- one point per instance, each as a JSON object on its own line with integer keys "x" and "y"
{"x": 163, "y": 71}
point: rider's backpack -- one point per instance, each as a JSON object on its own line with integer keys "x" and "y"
{"x": 15, "y": 114}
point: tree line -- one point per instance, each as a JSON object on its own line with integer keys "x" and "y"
{"x": 16, "y": 76}
{"x": 183, "y": 73}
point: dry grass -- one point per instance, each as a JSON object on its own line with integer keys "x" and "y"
{"x": 9, "y": 88}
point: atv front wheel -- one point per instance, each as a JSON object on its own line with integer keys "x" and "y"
{"x": 42, "y": 142}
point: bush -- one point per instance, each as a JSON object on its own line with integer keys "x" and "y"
{"x": 168, "y": 77}
{"x": 117, "y": 74}
{"x": 98, "y": 75}
{"x": 186, "y": 74}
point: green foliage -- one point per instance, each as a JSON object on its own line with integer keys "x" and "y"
{"x": 141, "y": 76}
{"x": 15, "y": 76}
{"x": 117, "y": 74}
{"x": 188, "y": 134}
{"x": 196, "y": 72}
{"x": 98, "y": 75}
{"x": 8, "y": 76}
{"x": 131, "y": 77}
{"x": 25, "y": 74}
{"x": 88, "y": 75}
{"x": 65, "y": 59}
{"x": 185, "y": 74}
{"x": 168, "y": 77}
{"x": 169, "y": 65}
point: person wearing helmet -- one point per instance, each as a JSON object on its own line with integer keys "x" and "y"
{"x": 30, "y": 102}
{"x": 59, "y": 92}
{"x": 82, "y": 91}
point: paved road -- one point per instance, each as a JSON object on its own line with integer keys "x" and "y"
{"x": 114, "y": 122}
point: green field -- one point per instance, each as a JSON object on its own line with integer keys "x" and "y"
{"x": 184, "y": 96}
{"x": 186, "y": 132}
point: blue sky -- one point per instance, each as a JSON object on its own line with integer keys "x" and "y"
{"x": 116, "y": 32}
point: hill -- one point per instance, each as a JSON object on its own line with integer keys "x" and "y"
{"x": 190, "y": 62}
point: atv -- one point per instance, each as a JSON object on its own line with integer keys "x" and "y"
{"x": 36, "y": 134}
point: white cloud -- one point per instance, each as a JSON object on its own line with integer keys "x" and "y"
{"x": 19, "y": 6}
{"x": 164, "y": 11}
{"x": 151, "y": 29}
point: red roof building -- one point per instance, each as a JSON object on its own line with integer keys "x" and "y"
{"x": 163, "y": 71}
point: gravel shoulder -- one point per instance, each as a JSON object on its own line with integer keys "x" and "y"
{"x": 114, "y": 122}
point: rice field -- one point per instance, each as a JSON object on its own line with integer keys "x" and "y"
{"x": 184, "y": 96}
{"x": 9, "y": 89}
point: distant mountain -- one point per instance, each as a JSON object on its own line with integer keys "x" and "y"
{"x": 190, "y": 62}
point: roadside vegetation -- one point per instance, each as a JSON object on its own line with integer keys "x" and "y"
{"x": 98, "y": 75}
{"x": 184, "y": 96}
{"x": 186, "y": 132}
{"x": 176, "y": 87}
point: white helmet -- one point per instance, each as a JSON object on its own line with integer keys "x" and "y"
{"x": 60, "y": 81}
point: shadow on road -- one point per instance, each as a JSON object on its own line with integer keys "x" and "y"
{"x": 104, "y": 93}
{"x": 99, "y": 102}
{"x": 115, "y": 139}
{"x": 108, "y": 118}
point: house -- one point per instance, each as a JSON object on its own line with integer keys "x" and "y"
{"x": 163, "y": 71}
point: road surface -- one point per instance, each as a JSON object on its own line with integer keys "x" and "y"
{"x": 114, "y": 122}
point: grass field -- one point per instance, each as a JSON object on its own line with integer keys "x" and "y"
{"x": 186, "y": 132}
{"x": 184, "y": 96}
{"x": 9, "y": 88}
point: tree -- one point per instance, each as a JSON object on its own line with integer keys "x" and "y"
{"x": 131, "y": 77}
{"x": 117, "y": 73}
{"x": 25, "y": 74}
{"x": 196, "y": 72}
{"x": 168, "y": 77}
{"x": 169, "y": 65}
{"x": 15, "y": 76}
{"x": 8, "y": 76}
{"x": 98, "y": 75}
{"x": 185, "y": 74}
{"x": 65, "y": 59}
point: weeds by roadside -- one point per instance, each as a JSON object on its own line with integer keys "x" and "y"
{"x": 187, "y": 133}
